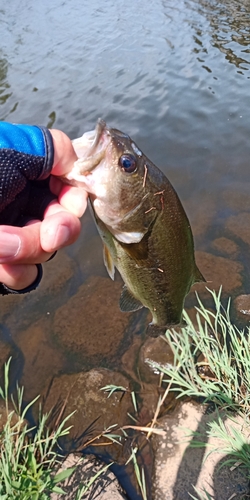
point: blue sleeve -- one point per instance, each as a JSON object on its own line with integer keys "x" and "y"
{"x": 26, "y": 160}
{"x": 30, "y": 140}
{"x": 26, "y": 156}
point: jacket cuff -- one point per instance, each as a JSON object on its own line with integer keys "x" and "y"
{"x": 5, "y": 290}
{"x": 49, "y": 153}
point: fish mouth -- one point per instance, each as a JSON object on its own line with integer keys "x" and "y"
{"x": 90, "y": 149}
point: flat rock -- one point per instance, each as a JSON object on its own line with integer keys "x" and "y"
{"x": 90, "y": 325}
{"x": 242, "y": 307}
{"x": 9, "y": 416}
{"x": 225, "y": 246}
{"x": 41, "y": 361}
{"x": 236, "y": 196}
{"x": 18, "y": 312}
{"x": 5, "y": 353}
{"x": 9, "y": 350}
{"x": 57, "y": 272}
{"x": 94, "y": 413}
{"x": 202, "y": 219}
{"x": 239, "y": 225}
{"x": 94, "y": 410}
{"x": 218, "y": 271}
{"x": 179, "y": 467}
{"x": 154, "y": 350}
{"x": 106, "y": 487}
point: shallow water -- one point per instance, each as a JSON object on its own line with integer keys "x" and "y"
{"x": 176, "y": 78}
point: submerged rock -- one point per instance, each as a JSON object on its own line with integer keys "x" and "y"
{"x": 5, "y": 354}
{"x": 94, "y": 413}
{"x": 94, "y": 410}
{"x": 239, "y": 225}
{"x": 19, "y": 312}
{"x": 218, "y": 271}
{"x": 90, "y": 327}
{"x": 201, "y": 220}
{"x": 242, "y": 307}
{"x": 236, "y": 196}
{"x": 154, "y": 350}
{"x": 41, "y": 360}
{"x": 225, "y": 246}
{"x": 9, "y": 350}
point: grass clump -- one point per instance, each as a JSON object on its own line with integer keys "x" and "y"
{"x": 212, "y": 363}
{"x": 222, "y": 375}
{"x": 27, "y": 455}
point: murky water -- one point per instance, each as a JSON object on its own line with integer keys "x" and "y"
{"x": 173, "y": 75}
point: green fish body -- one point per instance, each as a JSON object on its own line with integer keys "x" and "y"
{"x": 144, "y": 228}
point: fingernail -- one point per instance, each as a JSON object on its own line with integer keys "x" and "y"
{"x": 10, "y": 245}
{"x": 59, "y": 237}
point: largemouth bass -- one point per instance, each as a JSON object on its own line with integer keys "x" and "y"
{"x": 142, "y": 223}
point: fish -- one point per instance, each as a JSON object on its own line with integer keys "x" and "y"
{"x": 145, "y": 231}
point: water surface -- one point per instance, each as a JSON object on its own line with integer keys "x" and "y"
{"x": 174, "y": 76}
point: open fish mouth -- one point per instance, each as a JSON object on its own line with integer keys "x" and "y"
{"x": 90, "y": 149}
{"x": 87, "y": 145}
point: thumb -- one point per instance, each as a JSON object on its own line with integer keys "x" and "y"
{"x": 64, "y": 154}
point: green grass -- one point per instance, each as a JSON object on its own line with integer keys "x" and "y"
{"x": 203, "y": 495}
{"x": 212, "y": 363}
{"x": 29, "y": 457}
{"x": 139, "y": 473}
{"x": 222, "y": 376}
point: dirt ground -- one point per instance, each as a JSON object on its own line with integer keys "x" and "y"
{"x": 178, "y": 467}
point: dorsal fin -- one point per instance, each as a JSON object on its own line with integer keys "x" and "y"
{"x": 128, "y": 303}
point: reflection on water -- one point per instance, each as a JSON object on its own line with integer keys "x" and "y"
{"x": 175, "y": 78}
{"x": 230, "y": 30}
{"x": 3, "y": 81}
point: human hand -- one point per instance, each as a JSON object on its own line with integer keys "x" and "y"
{"x": 21, "y": 248}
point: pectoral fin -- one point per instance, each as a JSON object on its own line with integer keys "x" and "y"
{"x": 108, "y": 261}
{"x": 126, "y": 236}
{"x": 128, "y": 303}
{"x": 137, "y": 251}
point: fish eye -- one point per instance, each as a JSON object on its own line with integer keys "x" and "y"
{"x": 128, "y": 163}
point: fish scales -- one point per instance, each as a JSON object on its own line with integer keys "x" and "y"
{"x": 144, "y": 228}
